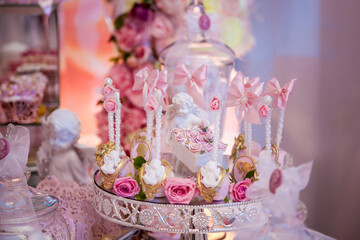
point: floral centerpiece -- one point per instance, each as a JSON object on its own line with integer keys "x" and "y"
{"x": 138, "y": 35}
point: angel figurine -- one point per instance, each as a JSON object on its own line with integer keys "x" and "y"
{"x": 182, "y": 113}
{"x": 59, "y": 154}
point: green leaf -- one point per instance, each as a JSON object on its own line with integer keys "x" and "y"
{"x": 226, "y": 199}
{"x": 114, "y": 59}
{"x": 119, "y": 21}
{"x": 202, "y": 151}
{"x": 250, "y": 174}
{"x": 208, "y": 140}
{"x": 138, "y": 162}
{"x": 112, "y": 39}
{"x": 204, "y": 129}
{"x": 141, "y": 196}
{"x": 125, "y": 55}
{"x": 227, "y": 170}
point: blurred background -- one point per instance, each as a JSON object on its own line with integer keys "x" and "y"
{"x": 315, "y": 41}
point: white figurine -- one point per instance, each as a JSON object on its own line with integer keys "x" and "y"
{"x": 182, "y": 112}
{"x": 59, "y": 154}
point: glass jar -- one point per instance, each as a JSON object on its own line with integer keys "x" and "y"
{"x": 27, "y": 213}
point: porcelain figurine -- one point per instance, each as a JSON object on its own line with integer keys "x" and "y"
{"x": 59, "y": 154}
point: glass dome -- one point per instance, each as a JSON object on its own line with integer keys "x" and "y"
{"x": 194, "y": 48}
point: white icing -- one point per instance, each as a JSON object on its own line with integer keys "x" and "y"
{"x": 153, "y": 172}
{"x": 210, "y": 173}
{"x": 111, "y": 161}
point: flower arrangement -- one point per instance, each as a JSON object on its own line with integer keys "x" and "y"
{"x": 139, "y": 34}
{"x": 197, "y": 139}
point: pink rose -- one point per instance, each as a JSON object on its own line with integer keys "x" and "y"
{"x": 152, "y": 104}
{"x": 4, "y": 148}
{"x": 132, "y": 61}
{"x": 195, "y": 136}
{"x": 238, "y": 190}
{"x": 208, "y": 147}
{"x": 209, "y": 135}
{"x": 142, "y": 53}
{"x": 176, "y": 130}
{"x": 127, "y": 38}
{"x": 199, "y": 136}
{"x": 181, "y": 136}
{"x": 110, "y": 104}
{"x": 179, "y": 190}
{"x": 108, "y": 90}
{"x": 204, "y": 124}
{"x": 215, "y": 104}
{"x": 264, "y": 111}
{"x": 195, "y": 147}
{"x": 126, "y": 187}
{"x": 161, "y": 27}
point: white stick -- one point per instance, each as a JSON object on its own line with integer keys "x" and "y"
{"x": 249, "y": 128}
{"x": 117, "y": 122}
{"x": 216, "y": 135}
{"x": 280, "y": 128}
{"x": 245, "y": 133}
{"x": 158, "y": 132}
{"x": 149, "y": 125}
{"x": 111, "y": 126}
{"x": 268, "y": 132}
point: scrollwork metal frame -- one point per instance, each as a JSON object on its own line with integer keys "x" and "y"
{"x": 173, "y": 218}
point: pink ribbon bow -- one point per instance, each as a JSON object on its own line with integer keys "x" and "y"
{"x": 149, "y": 80}
{"x": 244, "y": 94}
{"x": 195, "y": 82}
{"x": 282, "y": 94}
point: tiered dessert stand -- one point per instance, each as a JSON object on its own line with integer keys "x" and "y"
{"x": 193, "y": 221}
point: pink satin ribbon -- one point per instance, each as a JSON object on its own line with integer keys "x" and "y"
{"x": 195, "y": 82}
{"x": 273, "y": 89}
{"x": 149, "y": 80}
{"x": 244, "y": 94}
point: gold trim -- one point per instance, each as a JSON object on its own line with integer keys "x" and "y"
{"x": 109, "y": 179}
{"x": 209, "y": 193}
{"x": 237, "y": 165}
{"x": 239, "y": 144}
{"x": 102, "y": 151}
{"x": 140, "y": 139}
{"x": 151, "y": 190}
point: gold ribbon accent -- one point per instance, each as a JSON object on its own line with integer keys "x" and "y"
{"x": 151, "y": 190}
{"x": 209, "y": 193}
{"x": 239, "y": 144}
